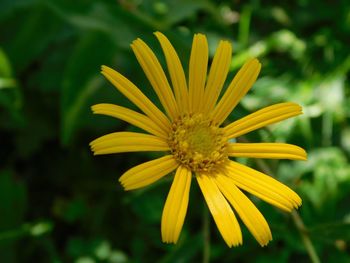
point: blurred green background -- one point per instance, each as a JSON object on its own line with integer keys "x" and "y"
{"x": 58, "y": 203}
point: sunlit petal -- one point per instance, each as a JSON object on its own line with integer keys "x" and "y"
{"x": 239, "y": 86}
{"x": 175, "y": 207}
{"x": 118, "y": 142}
{"x": 262, "y": 118}
{"x": 197, "y": 71}
{"x": 176, "y": 72}
{"x": 247, "y": 211}
{"x": 267, "y": 150}
{"x": 263, "y": 186}
{"x": 147, "y": 173}
{"x": 217, "y": 75}
{"x": 130, "y": 116}
{"x": 137, "y": 97}
{"x": 221, "y": 211}
{"x": 156, "y": 76}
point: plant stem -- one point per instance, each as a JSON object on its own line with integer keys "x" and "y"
{"x": 206, "y": 236}
{"x": 297, "y": 220}
{"x": 305, "y": 237}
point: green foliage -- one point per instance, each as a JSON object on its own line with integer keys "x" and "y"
{"x": 58, "y": 203}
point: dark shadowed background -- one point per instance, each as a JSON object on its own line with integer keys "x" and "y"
{"x": 58, "y": 203}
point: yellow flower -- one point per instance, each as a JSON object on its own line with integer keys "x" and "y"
{"x": 194, "y": 141}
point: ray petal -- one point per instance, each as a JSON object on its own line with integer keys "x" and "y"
{"x": 221, "y": 211}
{"x": 263, "y": 186}
{"x": 247, "y": 211}
{"x": 239, "y": 86}
{"x": 118, "y": 142}
{"x": 130, "y": 116}
{"x": 176, "y": 72}
{"x": 267, "y": 150}
{"x": 217, "y": 75}
{"x": 130, "y": 91}
{"x": 156, "y": 76}
{"x": 175, "y": 207}
{"x": 262, "y": 118}
{"x": 148, "y": 173}
{"x": 197, "y": 71}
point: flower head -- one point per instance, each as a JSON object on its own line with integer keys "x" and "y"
{"x": 195, "y": 143}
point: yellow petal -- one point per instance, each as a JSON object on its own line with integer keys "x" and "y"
{"x": 247, "y": 211}
{"x": 220, "y": 210}
{"x": 239, "y": 86}
{"x": 147, "y": 173}
{"x": 130, "y": 91}
{"x": 263, "y": 186}
{"x": 130, "y": 116}
{"x": 197, "y": 71}
{"x": 262, "y": 118}
{"x": 175, "y": 207}
{"x": 217, "y": 75}
{"x": 156, "y": 76}
{"x": 176, "y": 72}
{"x": 118, "y": 142}
{"x": 267, "y": 150}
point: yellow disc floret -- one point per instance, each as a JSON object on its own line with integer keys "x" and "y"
{"x": 198, "y": 143}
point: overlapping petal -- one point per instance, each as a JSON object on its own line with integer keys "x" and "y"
{"x": 156, "y": 76}
{"x": 175, "y": 207}
{"x": 130, "y": 91}
{"x": 217, "y": 75}
{"x": 263, "y": 186}
{"x": 176, "y": 73}
{"x": 130, "y": 116}
{"x": 221, "y": 211}
{"x": 239, "y": 86}
{"x": 247, "y": 211}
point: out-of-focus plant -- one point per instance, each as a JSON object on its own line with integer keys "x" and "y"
{"x": 57, "y": 205}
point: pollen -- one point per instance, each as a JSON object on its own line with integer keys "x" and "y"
{"x": 198, "y": 143}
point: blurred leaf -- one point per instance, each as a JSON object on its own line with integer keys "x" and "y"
{"x": 148, "y": 205}
{"x": 331, "y": 232}
{"x": 5, "y": 67}
{"x": 13, "y": 201}
{"x": 281, "y": 41}
{"x": 81, "y": 79}
{"x": 182, "y": 9}
{"x": 83, "y": 250}
{"x": 30, "y": 29}
{"x": 10, "y": 94}
{"x": 330, "y": 169}
{"x": 185, "y": 251}
{"x": 107, "y": 18}
{"x": 70, "y": 210}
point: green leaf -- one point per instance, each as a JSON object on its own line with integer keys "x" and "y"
{"x": 331, "y": 232}
{"x": 82, "y": 78}
{"x": 13, "y": 203}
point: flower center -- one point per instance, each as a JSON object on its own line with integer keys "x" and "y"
{"x": 197, "y": 143}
